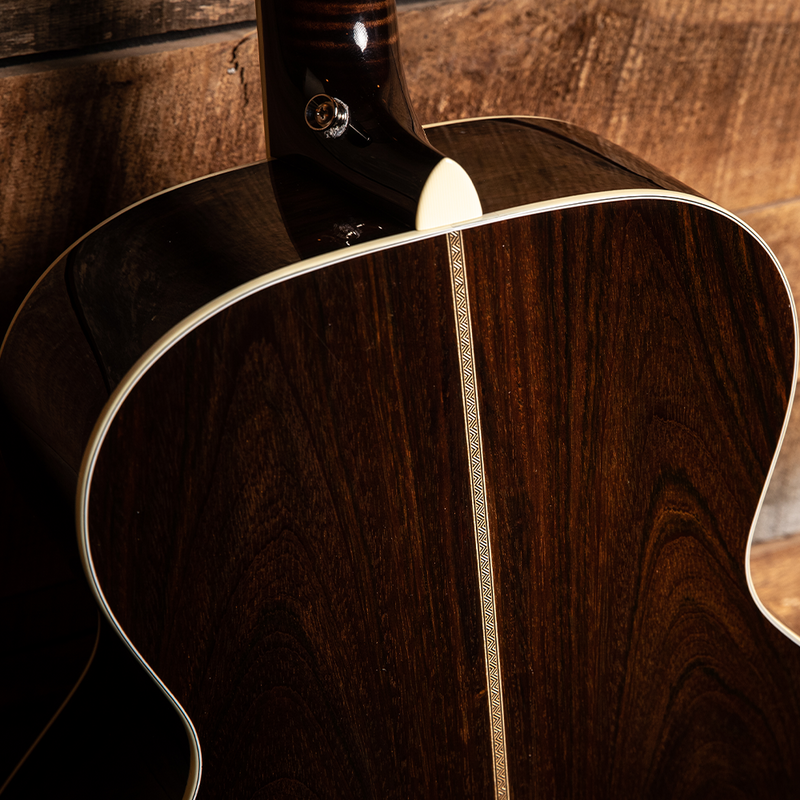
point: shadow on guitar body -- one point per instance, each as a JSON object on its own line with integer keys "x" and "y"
{"x": 117, "y": 737}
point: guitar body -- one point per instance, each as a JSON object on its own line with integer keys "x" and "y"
{"x": 460, "y": 513}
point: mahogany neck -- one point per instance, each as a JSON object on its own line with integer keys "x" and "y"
{"x": 335, "y": 93}
{"x": 343, "y": 48}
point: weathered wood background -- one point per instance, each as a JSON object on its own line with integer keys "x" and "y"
{"x": 103, "y": 102}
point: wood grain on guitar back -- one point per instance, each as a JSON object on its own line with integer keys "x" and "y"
{"x": 633, "y": 372}
{"x": 309, "y": 594}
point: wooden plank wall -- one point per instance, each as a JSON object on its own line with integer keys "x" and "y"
{"x": 49, "y": 26}
{"x": 103, "y": 102}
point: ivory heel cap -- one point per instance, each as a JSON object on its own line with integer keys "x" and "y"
{"x": 448, "y": 197}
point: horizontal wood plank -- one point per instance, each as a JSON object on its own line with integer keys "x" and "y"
{"x": 775, "y": 567}
{"x": 705, "y": 91}
{"x": 41, "y": 26}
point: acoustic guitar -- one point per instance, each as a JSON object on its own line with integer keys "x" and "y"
{"x": 424, "y": 463}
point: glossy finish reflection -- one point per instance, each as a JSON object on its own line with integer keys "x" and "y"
{"x": 348, "y": 51}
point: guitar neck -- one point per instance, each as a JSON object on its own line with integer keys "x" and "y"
{"x": 334, "y": 93}
{"x": 343, "y": 49}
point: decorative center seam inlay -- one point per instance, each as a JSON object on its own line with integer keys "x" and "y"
{"x": 458, "y": 279}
